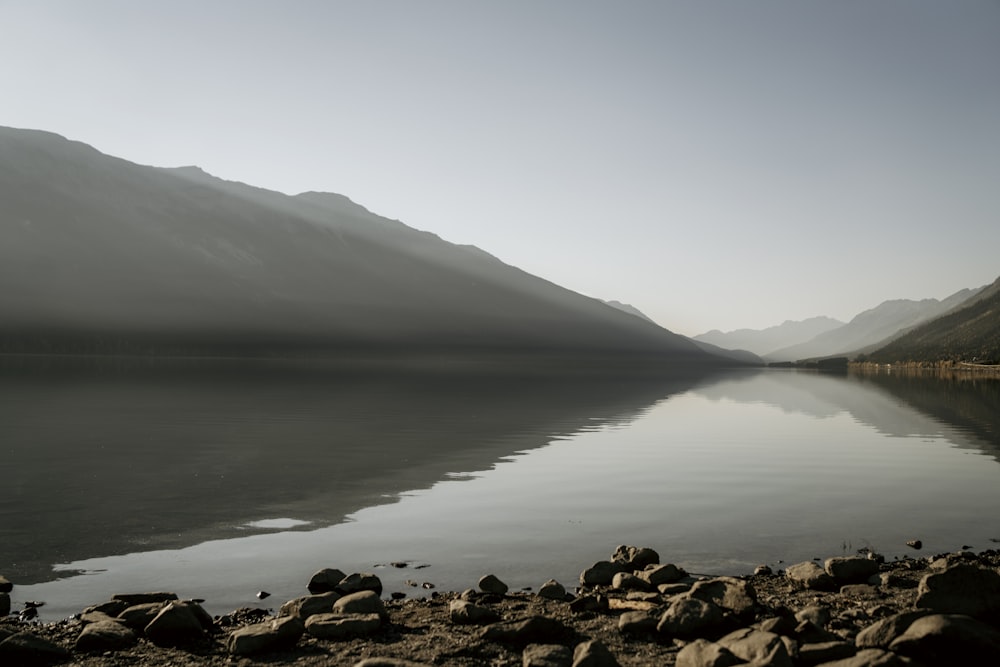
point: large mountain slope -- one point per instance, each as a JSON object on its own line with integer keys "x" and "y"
{"x": 100, "y": 254}
{"x": 764, "y": 341}
{"x": 969, "y": 333}
{"x": 872, "y": 327}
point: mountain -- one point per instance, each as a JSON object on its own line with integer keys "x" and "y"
{"x": 968, "y": 333}
{"x": 764, "y": 341}
{"x": 98, "y": 254}
{"x": 630, "y": 309}
{"x": 871, "y": 327}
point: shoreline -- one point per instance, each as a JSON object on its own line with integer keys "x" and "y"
{"x": 631, "y": 609}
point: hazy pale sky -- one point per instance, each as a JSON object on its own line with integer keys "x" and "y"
{"x": 717, "y": 164}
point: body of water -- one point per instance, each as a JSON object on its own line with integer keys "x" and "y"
{"x": 217, "y": 481}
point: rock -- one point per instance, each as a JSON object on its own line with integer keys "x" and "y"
{"x": 761, "y": 648}
{"x": 937, "y": 639}
{"x": 105, "y": 636}
{"x": 531, "y": 630}
{"x": 961, "y": 589}
{"x": 111, "y": 608}
{"x": 342, "y": 626}
{"x": 546, "y": 655}
{"x": 779, "y": 625}
{"x": 138, "y": 616}
{"x": 851, "y": 569}
{"x": 586, "y": 603}
{"x": 687, "y": 617}
{"x": 363, "y": 581}
{"x": 763, "y": 570}
{"x": 811, "y": 576}
{"x": 815, "y": 614}
{"x": 821, "y": 652}
{"x": 552, "y": 590}
{"x": 673, "y": 589}
{"x": 363, "y": 602}
{"x": 593, "y": 654}
{"x": 636, "y": 622}
{"x": 736, "y": 595}
{"x": 667, "y": 573}
{"x": 635, "y": 558}
{"x": 882, "y": 633}
{"x": 5, "y": 585}
{"x": 143, "y": 598}
{"x": 178, "y": 624}
{"x": 870, "y": 657}
{"x": 4, "y": 604}
{"x": 26, "y": 650}
{"x": 95, "y": 617}
{"x": 703, "y": 653}
{"x": 389, "y": 662}
{"x": 490, "y": 584}
{"x": 915, "y": 544}
{"x": 306, "y": 606}
{"x": 463, "y": 612}
{"x": 325, "y": 580}
{"x": 275, "y": 635}
{"x": 600, "y": 573}
{"x": 807, "y": 632}
{"x": 626, "y": 581}
{"x": 858, "y": 590}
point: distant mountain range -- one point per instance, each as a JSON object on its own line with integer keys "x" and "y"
{"x": 98, "y": 254}
{"x": 765, "y": 341}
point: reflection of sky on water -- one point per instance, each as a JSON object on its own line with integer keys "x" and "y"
{"x": 714, "y": 484}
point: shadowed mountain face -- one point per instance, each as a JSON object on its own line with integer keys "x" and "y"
{"x": 98, "y": 254}
{"x": 872, "y": 327}
{"x": 969, "y": 333}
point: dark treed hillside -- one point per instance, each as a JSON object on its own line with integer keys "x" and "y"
{"x": 970, "y": 334}
{"x": 98, "y": 254}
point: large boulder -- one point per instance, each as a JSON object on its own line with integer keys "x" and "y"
{"x": 342, "y": 626}
{"x": 703, "y": 653}
{"x": 325, "y": 580}
{"x": 635, "y": 558}
{"x": 531, "y": 630}
{"x": 552, "y": 590}
{"x": 5, "y": 585}
{"x": 360, "y": 581}
{"x": 362, "y": 602}
{"x": 810, "y": 575}
{"x": 601, "y": 573}
{"x": 26, "y": 650}
{"x": 593, "y": 654}
{"x": 138, "y": 616}
{"x": 851, "y": 569}
{"x": 274, "y": 635}
{"x": 667, "y": 573}
{"x": 758, "y": 647}
{"x": 178, "y": 624}
{"x": 736, "y": 595}
{"x": 961, "y": 589}
{"x": 491, "y": 584}
{"x": 105, "y": 636}
{"x": 689, "y": 617}
{"x": 463, "y": 612}
{"x": 546, "y": 655}
{"x": 938, "y": 639}
{"x": 306, "y": 606}
{"x": 883, "y": 632}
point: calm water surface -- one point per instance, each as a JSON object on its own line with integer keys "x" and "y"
{"x": 217, "y": 483}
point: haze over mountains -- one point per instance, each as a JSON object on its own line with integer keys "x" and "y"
{"x": 98, "y": 254}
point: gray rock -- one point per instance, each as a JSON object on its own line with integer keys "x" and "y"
{"x": 306, "y": 606}
{"x": 25, "y": 650}
{"x": 552, "y": 590}
{"x": 758, "y": 647}
{"x": 111, "y": 608}
{"x": 882, "y": 633}
{"x": 142, "y": 598}
{"x": 342, "y": 626}
{"x": 593, "y": 654}
{"x": 703, "y": 653}
{"x": 814, "y": 654}
{"x": 463, "y": 612}
{"x": 763, "y": 570}
{"x": 673, "y": 589}
{"x": 687, "y": 617}
{"x": 105, "y": 636}
{"x": 961, "y": 589}
{"x": 362, "y": 602}
{"x": 138, "y": 616}
{"x": 938, "y": 639}
{"x": 636, "y": 622}
{"x": 178, "y": 624}
{"x": 635, "y": 558}
{"x": 667, "y": 573}
{"x": 807, "y": 632}
{"x": 490, "y": 584}
{"x": 736, "y": 595}
{"x": 4, "y": 604}
{"x": 851, "y": 569}
{"x": 626, "y": 581}
{"x": 779, "y": 625}
{"x": 870, "y": 657}
{"x": 360, "y": 581}
{"x": 815, "y": 614}
{"x": 95, "y": 617}
{"x": 274, "y": 635}
{"x": 531, "y": 630}
{"x": 325, "y": 580}
{"x": 811, "y": 576}
{"x": 600, "y": 573}
{"x": 5, "y": 585}
{"x": 546, "y": 655}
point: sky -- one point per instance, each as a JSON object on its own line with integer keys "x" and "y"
{"x": 717, "y": 164}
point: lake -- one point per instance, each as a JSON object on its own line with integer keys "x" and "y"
{"x": 219, "y": 479}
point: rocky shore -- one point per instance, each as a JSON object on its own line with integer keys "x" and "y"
{"x": 633, "y": 609}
